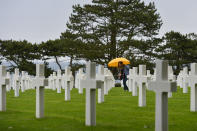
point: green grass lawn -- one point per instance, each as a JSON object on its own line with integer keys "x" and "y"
{"x": 120, "y": 112}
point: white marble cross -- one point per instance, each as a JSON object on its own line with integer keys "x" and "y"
{"x": 130, "y": 80}
{"x": 50, "y": 78}
{"x": 27, "y": 81}
{"x": 8, "y": 86}
{"x": 162, "y": 86}
{"x": 135, "y": 73}
{"x": 149, "y": 76}
{"x": 171, "y": 77}
{"x": 71, "y": 81}
{"x": 54, "y": 81}
{"x": 16, "y": 82}
{"x": 67, "y": 83}
{"x": 59, "y": 81}
{"x": 192, "y": 78}
{"x": 3, "y": 82}
{"x": 90, "y": 84}
{"x": 112, "y": 80}
{"x": 40, "y": 82}
{"x": 185, "y": 79}
{"x": 141, "y": 81}
{"x": 180, "y": 79}
{"x": 23, "y": 79}
{"x": 108, "y": 81}
{"x": 100, "y": 83}
{"x": 80, "y": 75}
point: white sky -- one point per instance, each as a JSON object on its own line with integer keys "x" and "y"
{"x": 41, "y": 20}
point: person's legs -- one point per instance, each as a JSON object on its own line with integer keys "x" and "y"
{"x": 125, "y": 84}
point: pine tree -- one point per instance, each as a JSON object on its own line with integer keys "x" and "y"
{"x": 104, "y": 26}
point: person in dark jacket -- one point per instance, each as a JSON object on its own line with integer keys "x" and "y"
{"x": 123, "y": 72}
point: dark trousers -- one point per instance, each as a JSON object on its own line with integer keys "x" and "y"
{"x": 125, "y": 84}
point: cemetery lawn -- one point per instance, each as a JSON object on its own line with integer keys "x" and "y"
{"x": 119, "y": 112}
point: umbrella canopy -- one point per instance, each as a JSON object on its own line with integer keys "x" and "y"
{"x": 114, "y": 62}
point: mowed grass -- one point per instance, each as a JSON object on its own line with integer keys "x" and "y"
{"x": 119, "y": 112}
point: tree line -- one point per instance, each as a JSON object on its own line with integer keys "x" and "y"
{"x": 102, "y": 31}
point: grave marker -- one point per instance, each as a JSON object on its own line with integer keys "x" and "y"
{"x": 67, "y": 85}
{"x": 3, "y": 82}
{"x": 161, "y": 87}
{"x": 16, "y": 82}
{"x": 171, "y": 77}
{"x": 134, "y": 90}
{"x": 59, "y": 81}
{"x": 54, "y": 81}
{"x": 90, "y": 84}
{"x": 100, "y": 83}
{"x": 8, "y": 86}
{"x": 192, "y": 78}
{"x": 23, "y": 78}
{"x": 80, "y": 75}
{"x": 40, "y": 82}
{"x": 130, "y": 80}
{"x": 185, "y": 80}
{"x": 142, "y": 80}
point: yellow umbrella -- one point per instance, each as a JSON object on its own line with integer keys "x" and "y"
{"x": 114, "y": 62}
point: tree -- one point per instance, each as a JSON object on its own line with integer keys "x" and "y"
{"x": 60, "y": 48}
{"x": 106, "y": 24}
{"x": 73, "y": 48}
{"x": 142, "y": 52}
{"x": 52, "y": 49}
{"x": 1, "y": 57}
{"x": 179, "y": 49}
{"x": 20, "y": 54}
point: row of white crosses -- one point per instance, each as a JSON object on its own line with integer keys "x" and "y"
{"x": 18, "y": 82}
{"x": 60, "y": 81}
{"x": 182, "y": 79}
{"x": 39, "y": 82}
{"x": 103, "y": 73}
{"x": 162, "y": 86}
{"x": 139, "y": 80}
{"x": 22, "y": 82}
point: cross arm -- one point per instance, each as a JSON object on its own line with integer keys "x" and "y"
{"x": 88, "y": 84}
{"x": 163, "y": 86}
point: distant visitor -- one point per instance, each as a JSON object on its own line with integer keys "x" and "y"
{"x": 123, "y": 69}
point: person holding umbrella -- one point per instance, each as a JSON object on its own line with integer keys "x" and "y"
{"x": 123, "y": 68}
{"x": 123, "y": 72}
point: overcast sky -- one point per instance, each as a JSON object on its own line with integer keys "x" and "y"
{"x": 40, "y": 20}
